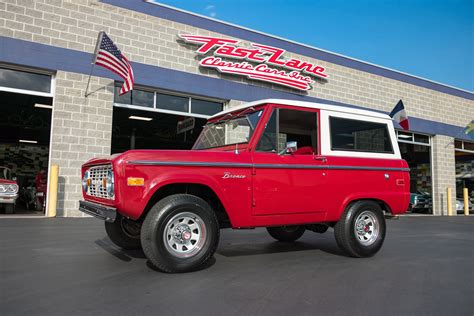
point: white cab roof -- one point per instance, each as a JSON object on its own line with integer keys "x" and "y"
{"x": 313, "y": 105}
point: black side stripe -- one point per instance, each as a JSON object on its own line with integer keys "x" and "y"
{"x": 190, "y": 164}
{"x": 259, "y": 166}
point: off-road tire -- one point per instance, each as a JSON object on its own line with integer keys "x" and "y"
{"x": 347, "y": 236}
{"x": 119, "y": 235}
{"x": 158, "y": 223}
{"x": 286, "y": 233}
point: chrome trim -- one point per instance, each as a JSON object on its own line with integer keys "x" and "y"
{"x": 259, "y": 166}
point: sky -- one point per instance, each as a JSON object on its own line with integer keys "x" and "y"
{"x": 432, "y": 39}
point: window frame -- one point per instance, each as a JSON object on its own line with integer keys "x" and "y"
{"x": 267, "y": 116}
{"x": 52, "y": 75}
{"x": 177, "y": 94}
{"x": 462, "y": 149}
{"x": 326, "y": 136}
{"x": 357, "y": 150}
{"x": 413, "y": 138}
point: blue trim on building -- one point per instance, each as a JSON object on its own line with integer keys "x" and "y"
{"x": 53, "y": 58}
{"x": 222, "y": 28}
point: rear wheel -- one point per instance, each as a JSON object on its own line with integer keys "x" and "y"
{"x": 286, "y": 233}
{"x": 180, "y": 233}
{"x": 124, "y": 232}
{"x": 360, "y": 231}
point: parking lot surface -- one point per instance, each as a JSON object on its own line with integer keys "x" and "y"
{"x": 68, "y": 267}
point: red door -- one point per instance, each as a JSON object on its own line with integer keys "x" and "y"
{"x": 293, "y": 181}
{"x": 288, "y": 184}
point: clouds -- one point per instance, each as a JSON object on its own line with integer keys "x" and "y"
{"x": 211, "y": 10}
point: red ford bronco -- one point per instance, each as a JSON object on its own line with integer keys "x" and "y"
{"x": 285, "y": 165}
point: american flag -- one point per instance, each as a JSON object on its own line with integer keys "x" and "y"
{"x": 110, "y": 57}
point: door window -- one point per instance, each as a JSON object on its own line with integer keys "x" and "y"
{"x": 290, "y": 128}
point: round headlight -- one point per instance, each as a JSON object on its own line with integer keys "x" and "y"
{"x": 13, "y": 188}
{"x": 86, "y": 181}
{"x": 110, "y": 183}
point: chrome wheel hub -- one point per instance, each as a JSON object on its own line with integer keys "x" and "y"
{"x": 184, "y": 235}
{"x": 366, "y": 228}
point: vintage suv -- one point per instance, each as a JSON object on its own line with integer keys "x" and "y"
{"x": 285, "y": 165}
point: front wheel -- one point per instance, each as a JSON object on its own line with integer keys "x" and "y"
{"x": 286, "y": 233}
{"x": 360, "y": 231}
{"x": 180, "y": 233}
{"x": 124, "y": 232}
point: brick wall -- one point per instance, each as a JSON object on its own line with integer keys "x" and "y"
{"x": 151, "y": 40}
{"x": 82, "y": 126}
{"x": 81, "y": 130}
{"x": 444, "y": 175}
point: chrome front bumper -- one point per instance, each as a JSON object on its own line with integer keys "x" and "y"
{"x": 103, "y": 212}
{"x": 8, "y": 198}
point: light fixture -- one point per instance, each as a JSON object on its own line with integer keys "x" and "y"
{"x": 28, "y": 141}
{"x": 404, "y": 136}
{"x": 140, "y": 118}
{"x": 43, "y": 106}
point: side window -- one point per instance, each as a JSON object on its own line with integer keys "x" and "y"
{"x": 293, "y": 127}
{"x": 363, "y": 136}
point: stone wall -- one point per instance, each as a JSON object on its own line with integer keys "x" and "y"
{"x": 81, "y": 129}
{"x": 151, "y": 40}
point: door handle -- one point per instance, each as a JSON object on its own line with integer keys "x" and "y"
{"x": 319, "y": 158}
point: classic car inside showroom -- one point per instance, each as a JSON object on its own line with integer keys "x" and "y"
{"x": 25, "y": 130}
{"x": 58, "y": 110}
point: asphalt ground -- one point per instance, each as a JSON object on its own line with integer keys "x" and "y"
{"x": 69, "y": 267}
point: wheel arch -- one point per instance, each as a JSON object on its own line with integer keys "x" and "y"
{"x": 200, "y": 190}
{"x": 383, "y": 205}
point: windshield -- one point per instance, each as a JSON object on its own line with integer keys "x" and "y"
{"x": 5, "y": 173}
{"x": 228, "y": 131}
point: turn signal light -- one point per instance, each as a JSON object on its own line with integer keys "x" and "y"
{"x": 135, "y": 181}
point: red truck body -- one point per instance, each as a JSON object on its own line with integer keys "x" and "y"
{"x": 259, "y": 188}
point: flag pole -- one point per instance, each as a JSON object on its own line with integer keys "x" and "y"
{"x": 94, "y": 58}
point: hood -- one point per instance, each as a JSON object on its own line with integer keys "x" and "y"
{"x": 5, "y": 181}
{"x": 177, "y": 156}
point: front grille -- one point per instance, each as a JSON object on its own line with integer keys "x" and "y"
{"x": 97, "y": 175}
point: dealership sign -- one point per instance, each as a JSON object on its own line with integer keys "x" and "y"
{"x": 261, "y": 62}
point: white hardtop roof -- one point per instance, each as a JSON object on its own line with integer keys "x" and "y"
{"x": 313, "y": 105}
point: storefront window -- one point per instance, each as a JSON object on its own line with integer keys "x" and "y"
{"x": 469, "y": 146}
{"x": 134, "y": 97}
{"x": 205, "y": 107}
{"x": 422, "y": 139}
{"x": 164, "y": 102}
{"x": 405, "y": 136}
{"x": 464, "y": 157}
{"x": 25, "y": 80}
{"x": 172, "y": 102}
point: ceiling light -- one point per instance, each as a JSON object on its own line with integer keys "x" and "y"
{"x": 43, "y": 106}
{"x": 28, "y": 141}
{"x": 404, "y": 136}
{"x": 140, "y": 118}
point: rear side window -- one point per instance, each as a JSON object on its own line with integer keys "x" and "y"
{"x": 363, "y": 136}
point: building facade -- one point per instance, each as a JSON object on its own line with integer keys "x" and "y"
{"x": 55, "y": 40}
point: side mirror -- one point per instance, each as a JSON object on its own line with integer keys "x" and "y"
{"x": 291, "y": 147}
{"x": 14, "y": 178}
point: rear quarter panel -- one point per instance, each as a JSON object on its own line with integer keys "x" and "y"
{"x": 381, "y": 180}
